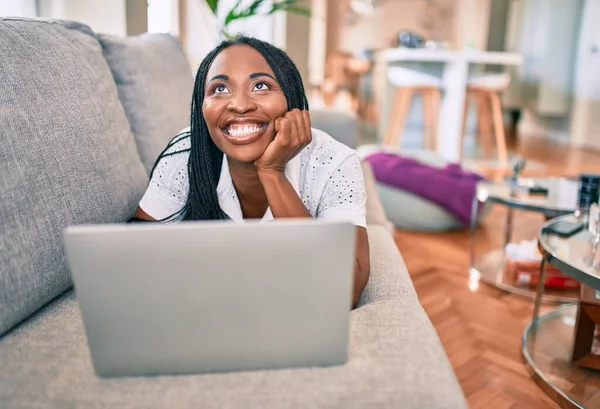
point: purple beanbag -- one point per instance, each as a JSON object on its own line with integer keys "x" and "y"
{"x": 450, "y": 187}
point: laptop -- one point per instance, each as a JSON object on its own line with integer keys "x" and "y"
{"x": 198, "y": 297}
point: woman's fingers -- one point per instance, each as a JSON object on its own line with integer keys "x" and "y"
{"x": 295, "y": 119}
{"x": 307, "y": 126}
{"x": 283, "y": 132}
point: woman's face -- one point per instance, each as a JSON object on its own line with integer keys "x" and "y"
{"x": 242, "y": 101}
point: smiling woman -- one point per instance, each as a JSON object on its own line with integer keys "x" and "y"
{"x": 250, "y": 152}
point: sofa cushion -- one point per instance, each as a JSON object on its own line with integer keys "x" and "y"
{"x": 395, "y": 360}
{"x": 155, "y": 85}
{"x": 67, "y": 155}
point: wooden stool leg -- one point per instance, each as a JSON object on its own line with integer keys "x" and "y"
{"x": 397, "y": 116}
{"x": 464, "y": 124}
{"x": 484, "y": 122}
{"x": 427, "y": 102}
{"x": 499, "y": 129}
{"x": 436, "y": 102}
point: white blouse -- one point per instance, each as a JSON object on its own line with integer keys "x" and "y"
{"x": 326, "y": 175}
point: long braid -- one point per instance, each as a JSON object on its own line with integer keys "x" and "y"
{"x": 205, "y": 160}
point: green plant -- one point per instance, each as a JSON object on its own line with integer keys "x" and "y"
{"x": 238, "y": 11}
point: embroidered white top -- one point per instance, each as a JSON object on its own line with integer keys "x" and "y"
{"x": 326, "y": 175}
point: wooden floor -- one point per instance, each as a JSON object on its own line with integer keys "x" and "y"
{"x": 481, "y": 327}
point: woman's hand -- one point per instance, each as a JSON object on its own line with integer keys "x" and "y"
{"x": 293, "y": 133}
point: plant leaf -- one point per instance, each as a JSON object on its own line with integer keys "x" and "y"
{"x": 233, "y": 13}
{"x": 292, "y": 6}
{"x": 237, "y": 12}
{"x": 213, "y": 5}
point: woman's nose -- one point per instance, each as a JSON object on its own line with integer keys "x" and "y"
{"x": 241, "y": 103}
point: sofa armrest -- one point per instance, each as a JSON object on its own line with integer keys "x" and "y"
{"x": 375, "y": 212}
{"x": 389, "y": 279}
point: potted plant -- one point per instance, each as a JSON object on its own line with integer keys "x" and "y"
{"x": 247, "y": 9}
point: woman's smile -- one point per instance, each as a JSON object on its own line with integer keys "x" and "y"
{"x": 243, "y": 130}
{"x": 242, "y": 133}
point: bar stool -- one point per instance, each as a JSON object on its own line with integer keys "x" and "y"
{"x": 407, "y": 83}
{"x": 485, "y": 90}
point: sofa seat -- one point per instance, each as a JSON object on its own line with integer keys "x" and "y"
{"x": 395, "y": 360}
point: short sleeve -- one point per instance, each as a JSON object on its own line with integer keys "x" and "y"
{"x": 344, "y": 197}
{"x": 168, "y": 187}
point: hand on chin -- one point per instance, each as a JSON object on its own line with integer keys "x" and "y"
{"x": 293, "y": 133}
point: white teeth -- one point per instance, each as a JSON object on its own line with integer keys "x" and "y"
{"x": 243, "y": 130}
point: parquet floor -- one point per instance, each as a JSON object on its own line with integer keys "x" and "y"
{"x": 481, "y": 327}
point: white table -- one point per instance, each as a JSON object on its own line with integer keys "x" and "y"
{"x": 455, "y": 75}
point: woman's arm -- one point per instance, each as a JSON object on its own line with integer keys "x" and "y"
{"x": 285, "y": 203}
{"x": 294, "y": 133}
{"x": 282, "y": 197}
{"x": 141, "y": 216}
{"x": 362, "y": 265}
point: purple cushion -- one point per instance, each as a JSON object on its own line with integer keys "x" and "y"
{"x": 450, "y": 187}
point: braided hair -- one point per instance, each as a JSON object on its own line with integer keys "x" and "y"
{"x": 206, "y": 160}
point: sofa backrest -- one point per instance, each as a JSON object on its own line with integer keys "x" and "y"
{"x": 67, "y": 155}
{"x": 341, "y": 125}
{"x": 155, "y": 86}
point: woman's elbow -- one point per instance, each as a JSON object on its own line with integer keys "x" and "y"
{"x": 361, "y": 278}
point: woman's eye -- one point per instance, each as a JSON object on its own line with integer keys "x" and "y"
{"x": 220, "y": 89}
{"x": 261, "y": 86}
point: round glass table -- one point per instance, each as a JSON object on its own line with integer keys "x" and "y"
{"x": 490, "y": 266}
{"x": 548, "y": 342}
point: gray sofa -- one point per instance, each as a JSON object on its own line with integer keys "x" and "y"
{"x": 82, "y": 118}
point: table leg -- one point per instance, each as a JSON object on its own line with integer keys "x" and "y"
{"x": 509, "y": 223}
{"x": 474, "y": 213}
{"x": 450, "y": 124}
{"x": 540, "y": 289}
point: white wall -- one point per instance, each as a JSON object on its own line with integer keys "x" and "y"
{"x": 162, "y": 14}
{"x": 103, "y": 16}
{"x": 200, "y": 31}
{"x": 585, "y": 116}
{"x": 17, "y": 8}
{"x": 317, "y": 42}
{"x": 471, "y": 23}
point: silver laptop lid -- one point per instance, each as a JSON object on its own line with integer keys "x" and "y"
{"x": 213, "y": 296}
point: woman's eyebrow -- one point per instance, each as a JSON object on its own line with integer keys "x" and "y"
{"x": 219, "y": 77}
{"x": 261, "y": 74}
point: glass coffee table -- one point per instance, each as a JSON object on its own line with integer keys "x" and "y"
{"x": 548, "y": 340}
{"x": 489, "y": 267}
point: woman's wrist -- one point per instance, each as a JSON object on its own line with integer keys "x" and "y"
{"x": 271, "y": 175}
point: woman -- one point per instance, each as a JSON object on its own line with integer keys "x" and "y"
{"x": 250, "y": 152}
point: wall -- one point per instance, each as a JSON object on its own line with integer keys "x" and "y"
{"x": 585, "y": 121}
{"x": 297, "y": 42}
{"x": 136, "y": 15}
{"x": 103, "y": 16}
{"x": 17, "y": 8}
{"x": 471, "y": 23}
{"x": 317, "y": 41}
{"x": 199, "y": 31}
{"x": 379, "y": 29}
{"x": 498, "y": 20}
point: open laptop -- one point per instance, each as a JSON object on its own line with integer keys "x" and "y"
{"x": 196, "y": 297}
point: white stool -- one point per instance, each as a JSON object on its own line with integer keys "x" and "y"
{"x": 485, "y": 89}
{"x": 407, "y": 83}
